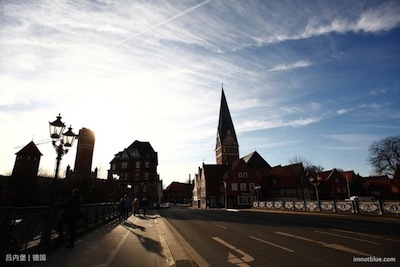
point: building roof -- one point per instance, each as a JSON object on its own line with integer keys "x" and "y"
{"x": 142, "y": 147}
{"x": 286, "y": 176}
{"x": 30, "y": 149}
{"x": 179, "y": 187}
{"x": 255, "y": 161}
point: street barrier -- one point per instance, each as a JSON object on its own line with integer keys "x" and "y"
{"x": 377, "y": 207}
{"x": 22, "y": 228}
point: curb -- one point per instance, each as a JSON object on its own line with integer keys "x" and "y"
{"x": 182, "y": 253}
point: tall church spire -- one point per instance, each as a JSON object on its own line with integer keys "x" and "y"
{"x": 227, "y": 147}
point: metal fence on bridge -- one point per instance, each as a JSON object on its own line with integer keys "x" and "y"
{"x": 339, "y": 206}
{"x": 22, "y": 228}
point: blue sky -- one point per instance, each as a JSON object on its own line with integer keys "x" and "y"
{"x": 317, "y": 79}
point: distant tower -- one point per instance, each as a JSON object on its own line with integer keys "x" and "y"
{"x": 227, "y": 147}
{"x": 27, "y": 161}
{"x": 24, "y": 175}
{"x": 84, "y": 152}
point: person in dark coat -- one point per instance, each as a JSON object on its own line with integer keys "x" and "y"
{"x": 70, "y": 216}
{"x": 144, "y": 205}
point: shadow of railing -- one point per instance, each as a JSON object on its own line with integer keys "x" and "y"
{"x": 23, "y": 228}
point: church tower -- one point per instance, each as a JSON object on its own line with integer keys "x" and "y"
{"x": 227, "y": 147}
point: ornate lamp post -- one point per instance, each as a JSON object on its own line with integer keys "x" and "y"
{"x": 315, "y": 182}
{"x": 62, "y": 142}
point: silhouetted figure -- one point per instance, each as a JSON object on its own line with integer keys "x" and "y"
{"x": 128, "y": 206}
{"x": 136, "y": 206}
{"x": 144, "y": 205}
{"x": 70, "y": 216}
{"x": 121, "y": 208}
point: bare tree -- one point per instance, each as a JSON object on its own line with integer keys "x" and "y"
{"x": 307, "y": 164}
{"x": 385, "y": 155}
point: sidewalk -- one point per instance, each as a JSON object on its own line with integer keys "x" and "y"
{"x": 138, "y": 241}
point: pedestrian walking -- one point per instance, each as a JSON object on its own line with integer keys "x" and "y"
{"x": 136, "y": 206}
{"x": 128, "y": 206}
{"x": 72, "y": 213}
{"x": 121, "y": 209}
{"x": 144, "y": 205}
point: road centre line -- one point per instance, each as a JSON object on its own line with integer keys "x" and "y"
{"x": 223, "y": 227}
{"x": 332, "y": 246}
{"x": 351, "y": 232}
{"x": 348, "y": 237}
{"x": 244, "y": 259}
{"x": 295, "y": 236}
{"x": 272, "y": 244}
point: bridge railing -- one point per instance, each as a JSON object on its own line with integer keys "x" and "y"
{"x": 339, "y": 206}
{"x": 22, "y": 228}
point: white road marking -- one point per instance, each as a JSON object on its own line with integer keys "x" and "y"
{"x": 355, "y": 233}
{"x": 115, "y": 251}
{"x": 223, "y": 227}
{"x": 348, "y": 237}
{"x": 272, "y": 244}
{"x": 346, "y": 249}
{"x": 332, "y": 246}
{"x": 242, "y": 262}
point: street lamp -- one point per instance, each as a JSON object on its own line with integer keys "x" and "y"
{"x": 315, "y": 182}
{"x": 62, "y": 142}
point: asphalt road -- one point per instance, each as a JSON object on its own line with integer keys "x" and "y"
{"x": 248, "y": 238}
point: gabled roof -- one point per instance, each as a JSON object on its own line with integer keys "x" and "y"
{"x": 29, "y": 149}
{"x": 179, "y": 187}
{"x": 255, "y": 161}
{"x": 214, "y": 172}
{"x": 142, "y": 147}
{"x": 225, "y": 123}
{"x": 286, "y": 176}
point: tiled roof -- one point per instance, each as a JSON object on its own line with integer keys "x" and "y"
{"x": 286, "y": 176}
{"x": 179, "y": 187}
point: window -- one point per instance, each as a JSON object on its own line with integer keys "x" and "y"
{"x": 245, "y": 175}
{"x": 137, "y": 175}
{"x": 243, "y": 187}
{"x": 124, "y": 165}
{"x": 137, "y": 164}
{"x": 146, "y": 176}
{"x": 144, "y": 188}
{"x": 246, "y": 200}
{"x": 113, "y": 166}
{"x": 147, "y": 164}
{"x": 234, "y": 187}
{"x": 240, "y": 175}
{"x": 252, "y": 186}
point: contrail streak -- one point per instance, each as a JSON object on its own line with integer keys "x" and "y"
{"x": 165, "y": 21}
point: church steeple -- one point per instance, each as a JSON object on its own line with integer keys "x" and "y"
{"x": 227, "y": 146}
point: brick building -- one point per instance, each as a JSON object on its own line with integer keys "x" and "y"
{"x": 134, "y": 172}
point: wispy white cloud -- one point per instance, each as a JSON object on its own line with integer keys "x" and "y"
{"x": 290, "y": 66}
{"x": 342, "y": 111}
{"x": 380, "y": 91}
{"x": 117, "y": 57}
{"x": 255, "y": 125}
